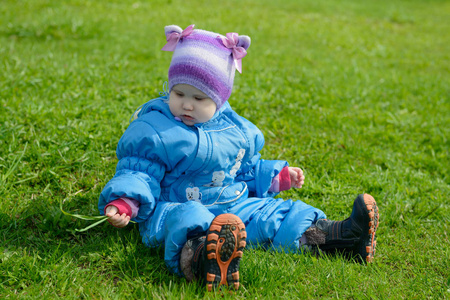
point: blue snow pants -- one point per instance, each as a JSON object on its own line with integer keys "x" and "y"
{"x": 270, "y": 223}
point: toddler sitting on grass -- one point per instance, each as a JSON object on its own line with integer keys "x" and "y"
{"x": 191, "y": 175}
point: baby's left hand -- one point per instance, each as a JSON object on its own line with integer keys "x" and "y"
{"x": 297, "y": 177}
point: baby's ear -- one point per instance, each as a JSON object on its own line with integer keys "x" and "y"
{"x": 244, "y": 41}
{"x": 171, "y": 29}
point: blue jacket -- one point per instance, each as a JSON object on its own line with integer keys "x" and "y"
{"x": 185, "y": 175}
{"x": 162, "y": 159}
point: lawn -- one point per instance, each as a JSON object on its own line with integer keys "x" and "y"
{"x": 354, "y": 92}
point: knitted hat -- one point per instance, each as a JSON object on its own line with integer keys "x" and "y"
{"x": 205, "y": 60}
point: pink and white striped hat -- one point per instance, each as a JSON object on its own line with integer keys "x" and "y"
{"x": 205, "y": 60}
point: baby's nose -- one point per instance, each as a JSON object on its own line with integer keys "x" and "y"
{"x": 187, "y": 105}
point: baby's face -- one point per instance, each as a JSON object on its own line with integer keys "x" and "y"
{"x": 191, "y": 105}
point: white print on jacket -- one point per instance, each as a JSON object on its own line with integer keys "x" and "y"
{"x": 217, "y": 179}
{"x": 237, "y": 165}
{"x": 193, "y": 194}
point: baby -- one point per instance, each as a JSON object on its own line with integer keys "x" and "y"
{"x": 191, "y": 175}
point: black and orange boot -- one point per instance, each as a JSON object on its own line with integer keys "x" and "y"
{"x": 216, "y": 256}
{"x": 355, "y": 236}
{"x": 225, "y": 242}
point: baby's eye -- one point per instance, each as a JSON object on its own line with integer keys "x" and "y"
{"x": 179, "y": 94}
{"x": 199, "y": 98}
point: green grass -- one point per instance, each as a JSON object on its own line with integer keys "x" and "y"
{"x": 354, "y": 92}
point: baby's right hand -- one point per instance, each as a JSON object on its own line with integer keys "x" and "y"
{"x": 115, "y": 219}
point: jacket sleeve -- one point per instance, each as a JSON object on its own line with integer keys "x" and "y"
{"x": 141, "y": 167}
{"x": 258, "y": 173}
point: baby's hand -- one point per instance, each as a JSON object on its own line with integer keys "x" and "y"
{"x": 115, "y": 219}
{"x": 297, "y": 177}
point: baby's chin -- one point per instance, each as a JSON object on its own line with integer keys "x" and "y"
{"x": 189, "y": 123}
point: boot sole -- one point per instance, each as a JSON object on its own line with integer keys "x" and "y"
{"x": 367, "y": 250}
{"x": 225, "y": 242}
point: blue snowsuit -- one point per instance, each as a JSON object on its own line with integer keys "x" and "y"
{"x": 183, "y": 176}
